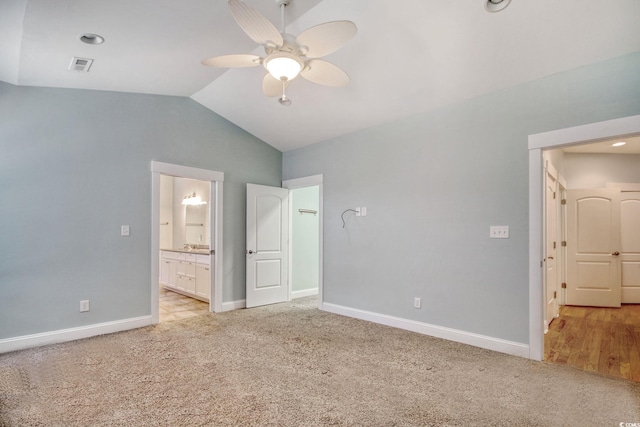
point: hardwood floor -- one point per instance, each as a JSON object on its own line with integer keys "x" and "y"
{"x": 174, "y": 306}
{"x": 603, "y": 340}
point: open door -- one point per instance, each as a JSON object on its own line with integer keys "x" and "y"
{"x": 267, "y": 249}
{"x": 630, "y": 247}
{"x": 593, "y": 245}
{"x": 551, "y": 249}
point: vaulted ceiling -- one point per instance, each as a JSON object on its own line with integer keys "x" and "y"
{"x": 408, "y": 57}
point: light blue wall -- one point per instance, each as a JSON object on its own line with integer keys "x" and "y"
{"x": 434, "y": 183}
{"x": 305, "y": 238}
{"x": 74, "y": 167}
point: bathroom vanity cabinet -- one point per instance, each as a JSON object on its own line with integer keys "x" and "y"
{"x": 186, "y": 272}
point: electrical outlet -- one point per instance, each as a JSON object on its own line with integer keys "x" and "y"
{"x": 84, "y": 305}
{"x": 358, "y": 213}
{"x": 363, "y": 211}
{"x": 417, "y": 302}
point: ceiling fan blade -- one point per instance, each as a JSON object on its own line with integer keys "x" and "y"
{"x": 233, "y": 61}
{"x": 255, "y": 24}
{"x": 325, "y": 73}
{"x": 272, "y": 86}
{"x": 326, "y": 38}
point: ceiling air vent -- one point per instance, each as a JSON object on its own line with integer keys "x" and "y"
{"x": 80, "y": 64}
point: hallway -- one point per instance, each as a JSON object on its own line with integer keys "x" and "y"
{"x": 603, "y": 340}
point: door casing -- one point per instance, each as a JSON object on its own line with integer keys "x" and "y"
{"x": 622, "y": 127}
{"x": 311, "y": 181}
{"x": 216, "y": 220}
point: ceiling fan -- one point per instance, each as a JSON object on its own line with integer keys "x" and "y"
{"x": 286, "y": 56}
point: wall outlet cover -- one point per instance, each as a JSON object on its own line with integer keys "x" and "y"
{"x": 499, "y": 232}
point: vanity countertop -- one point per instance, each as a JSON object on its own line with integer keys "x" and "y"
{"x": 189, "y": 251}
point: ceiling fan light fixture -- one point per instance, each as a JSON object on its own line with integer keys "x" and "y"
{"x": 496, "y": 5}
{"x": 618, "y": 144}
{"x": 283, "y": 66}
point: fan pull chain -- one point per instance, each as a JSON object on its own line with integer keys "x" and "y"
{"x": 284, "y": 100}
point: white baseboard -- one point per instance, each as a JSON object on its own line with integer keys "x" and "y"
{"x": 72, "y": 334}
{"x": 482, "y": 341}
{"x": 304, "y": 293}
{"x": 233, "y": 305}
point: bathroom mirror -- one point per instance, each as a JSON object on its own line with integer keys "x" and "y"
{"x": 196, "y": 224}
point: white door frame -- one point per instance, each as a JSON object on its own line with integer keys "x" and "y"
{"x": 216, "y": 194}
{"x": 310, "y": 181}
{"x": 592, "y": 132}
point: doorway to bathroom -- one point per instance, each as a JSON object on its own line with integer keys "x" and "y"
{"x": 186, "y": 240}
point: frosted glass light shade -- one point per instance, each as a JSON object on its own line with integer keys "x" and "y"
{"x": 283, "y": 66}
{"x": 193, "y": 200}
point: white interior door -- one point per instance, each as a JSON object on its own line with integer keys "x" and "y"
{"x": 630, "y": 246}
{"x": 551, "y": 250}
{"x": 593, "y": 245}
{"x": 267, "y": 245}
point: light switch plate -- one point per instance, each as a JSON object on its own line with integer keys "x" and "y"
{"x": 124, "y": 230}
{"x": 499, "y": 231}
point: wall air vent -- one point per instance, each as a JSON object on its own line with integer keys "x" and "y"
{"x": 80, "y": 64}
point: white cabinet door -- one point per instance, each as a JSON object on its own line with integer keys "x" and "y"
{"x": 164, "y": 271}
{"x": 267, "y": 245}
{"x": 190, "y": 285}
{"x": 203, "y": 280}
{"x": 593, "y": 245}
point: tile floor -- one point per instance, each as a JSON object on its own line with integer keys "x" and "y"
{"x": 174, "y": 306}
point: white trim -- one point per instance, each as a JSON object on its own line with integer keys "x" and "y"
{"x": 310, "y": 181}
{"x": 234, "y": 305}
{"x": 579, "y": 134}
{"x": 477, "y": 340}
{"x": 304, "y": 293}
{"x": 218, "y": 220}
{"x": 307, "y": 181}
{"x": 72, "y": 334}
{"x": 624, "y": 126}
{"x": 217, "y": 191}
{"x": 180, "y": 171}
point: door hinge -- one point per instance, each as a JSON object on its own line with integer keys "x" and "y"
{"x": 554, "y": 245}
{"x": 555, "y": 294}
{"x": 564, "y": 243}
{"x": 564, "y": 286}
{"x": 563, "y": 202}
{"x": 554, "y": 195}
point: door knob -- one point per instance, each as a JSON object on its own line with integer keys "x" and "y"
{"x": 251, "y": 252}
{"x": 616, "y": 253}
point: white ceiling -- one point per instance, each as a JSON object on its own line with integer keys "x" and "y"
{"x": 408, "y": 57}
{"x": 632, "y": 146}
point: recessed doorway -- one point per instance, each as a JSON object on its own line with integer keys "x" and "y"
{"x": 205, "y": 232}
{"x": 623, "y": 127}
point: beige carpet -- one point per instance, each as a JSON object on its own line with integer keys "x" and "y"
{"x": 291, "y": 365}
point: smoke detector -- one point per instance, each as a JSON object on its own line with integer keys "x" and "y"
{"x": 80, "y": 64}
